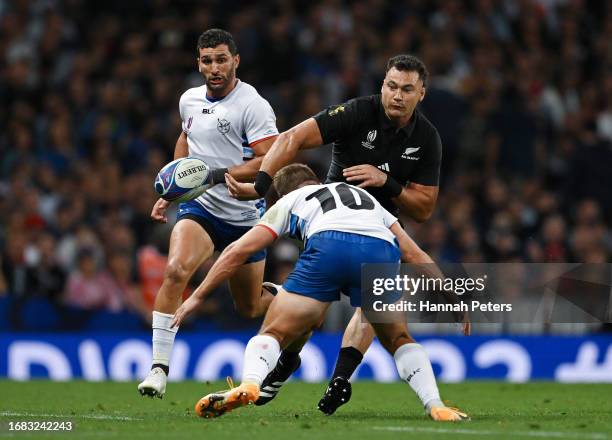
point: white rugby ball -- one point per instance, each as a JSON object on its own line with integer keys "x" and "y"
{"x": 182, "y": 179}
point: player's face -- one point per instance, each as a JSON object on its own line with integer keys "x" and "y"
{"x": 218, "y": 66}
{"x": 401, "y": 92}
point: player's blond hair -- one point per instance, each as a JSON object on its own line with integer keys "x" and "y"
{"x": 291, "y": 177}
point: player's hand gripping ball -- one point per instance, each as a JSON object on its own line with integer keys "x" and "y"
{"x": 183, "y": 179}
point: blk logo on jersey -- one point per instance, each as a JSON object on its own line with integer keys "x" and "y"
{"x": 409, "y": 151}
{"x": 369, "y": 139}
{"x": 223, "y": 125}
{"x": 208, "y": 111}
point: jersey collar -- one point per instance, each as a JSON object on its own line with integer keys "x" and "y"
{"x": 213, "y": 100}
{"x": 386, "y": 124}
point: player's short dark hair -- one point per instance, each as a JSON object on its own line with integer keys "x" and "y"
{"x": 409, "y": 63}
{"x": 291, "y": 177}
{"x": 215, "y": 37}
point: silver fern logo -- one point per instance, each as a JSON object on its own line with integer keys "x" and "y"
{"x": 409, "y": 151}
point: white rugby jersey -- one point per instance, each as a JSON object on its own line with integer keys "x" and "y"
{"x": 221, "y": 133}
{"x": 331, "y": 207}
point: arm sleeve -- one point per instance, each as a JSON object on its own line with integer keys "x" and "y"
{"x": 259, "y": 121}
{"x": 388, "y": 218}
{"x": 277, "y": 218}
{"x": 428, "y": 173}
{"x": 185, "y": 124}
{"x": 337, "y": 121}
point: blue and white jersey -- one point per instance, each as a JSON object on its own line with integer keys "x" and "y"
{"x": 331, "y": 207}
{"x": 222, "y": 133}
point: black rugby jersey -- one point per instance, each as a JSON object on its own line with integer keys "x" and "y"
{"x": 362, "y": 133}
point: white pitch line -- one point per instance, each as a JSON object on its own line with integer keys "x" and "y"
{"x": 546, "y": 434}
{"x": 69, "y": 416}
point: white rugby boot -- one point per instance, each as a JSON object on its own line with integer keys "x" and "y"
{"x": 154, "y": 384}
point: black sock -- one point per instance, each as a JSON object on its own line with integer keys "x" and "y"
{"x": 348, "y": 361}
{"x": 287, "y": 362}
{"x": 163, "y": 367}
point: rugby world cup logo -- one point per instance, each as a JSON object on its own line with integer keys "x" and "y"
{"x": 369, "y": 139}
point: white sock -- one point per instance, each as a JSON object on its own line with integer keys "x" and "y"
{"x": 260, "y": 357}
{"x": 414, "y": 367}
{"x": 163, "y": 337}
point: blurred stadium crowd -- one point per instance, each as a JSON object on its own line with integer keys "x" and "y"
{"x": 521, "y": 92}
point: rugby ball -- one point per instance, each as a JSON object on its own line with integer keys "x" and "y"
{"x": 182, "y": 179}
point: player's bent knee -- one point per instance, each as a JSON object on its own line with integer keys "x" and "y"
{"x": 176, "y": 273}
{"x": 281, "y": 337}
{"x": 391, "y": 341}
{"x": 284, "y": 335}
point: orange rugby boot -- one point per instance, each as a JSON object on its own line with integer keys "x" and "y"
{"x": 447, "y": 414}
{"x": 217, "y": 404}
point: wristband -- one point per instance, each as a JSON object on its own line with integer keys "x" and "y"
{"x": 263, "y": 182}
{"x": 217, "y": 175}
{"x": 392, "y": 187}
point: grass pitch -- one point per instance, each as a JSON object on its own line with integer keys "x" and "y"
{"x": 376, "y": 411}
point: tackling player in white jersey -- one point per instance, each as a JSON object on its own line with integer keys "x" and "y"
{"x": 343, "y": 227}
{"x": 230, "y": 126}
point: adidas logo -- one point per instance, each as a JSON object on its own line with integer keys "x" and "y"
{"x": 409, "y": 151}
{"x": 384, "y": 167}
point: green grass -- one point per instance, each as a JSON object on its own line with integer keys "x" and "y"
{"x": 376, "y": 411}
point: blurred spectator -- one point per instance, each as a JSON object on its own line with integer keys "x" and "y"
{"x": 3, "y": 285}
{"x": 14, "y": 265}
{"x": 151, "y": 266}
{"x": 120, "y": 269}
{"x": 90, "y": 288}
{"x": 48, "y": 278}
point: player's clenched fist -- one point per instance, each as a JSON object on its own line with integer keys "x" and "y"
{"x": 368, "y": 175}
{"x": 158, "y": 213}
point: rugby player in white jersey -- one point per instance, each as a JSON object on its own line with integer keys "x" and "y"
{"x": 230, "y": 126}
{"x": 343, "y": 227}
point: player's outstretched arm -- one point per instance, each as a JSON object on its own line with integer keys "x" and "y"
{"x": 303, "y": 136}
{"x": 412, "y": 253}
{"x": 247, "y": 171}
{"x": 226, "y": 265}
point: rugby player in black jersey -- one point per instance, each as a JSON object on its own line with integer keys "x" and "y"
{"x": 381, "y": 143}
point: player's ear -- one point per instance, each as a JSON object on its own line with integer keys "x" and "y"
{"x": 237, "y": 60}
{"x": 423, "y": 90}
